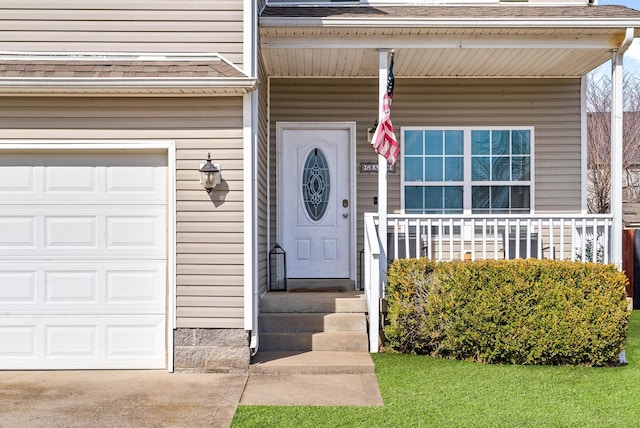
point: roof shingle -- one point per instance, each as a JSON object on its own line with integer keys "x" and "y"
{"x": 462, "y": 12}
{"x": 70, "y": 68}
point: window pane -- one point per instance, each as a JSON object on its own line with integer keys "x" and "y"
{"x": 500, "y": 142}
{"x": 480, "y": 142}
{"x": 316, "y": 184}
{"x": 433, "y": 169}
{"x": 500, "y": 170}
{"x": 413, "y": 200}
{"x": 413, "y": 169}
{"x": 520, "y": 198}
{"x": 453, "y": 169}
{"x": 480, "y": 169}
{"x": 521, "y": 169}
{"x": 499, "y": 199}
{"x": 433, "y": 200}
{"x": 521, "y": 143}
{"x": 480, "y": 197}
{"x": 433, "y": 142}
{"x": 453, "y": 199}
{"x": 413, "y": 143}
{"x": 454, "y": 142}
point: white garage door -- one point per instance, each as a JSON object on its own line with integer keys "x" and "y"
{"x": 82, "y": 260}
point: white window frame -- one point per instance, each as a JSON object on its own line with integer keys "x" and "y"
{"x": 467, "y": 182}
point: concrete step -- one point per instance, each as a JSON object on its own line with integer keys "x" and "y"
{"x": 312, "y": 322}
{"x": 320, "y": 284}
{"x": 312, "y": 362}
{"x": 313, "y": 302}
{"x": 306, "y": 341}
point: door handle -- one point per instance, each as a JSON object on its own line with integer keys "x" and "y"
{"x": 345, "y": 215}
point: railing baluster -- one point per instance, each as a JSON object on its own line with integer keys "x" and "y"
{"x": 606, "y": 226}
{"x": 539, "y": 249}
{"x": 495, "y": 239}
{"x": 462, "y": 239}
{"x": 450, "y": 238}
{"x": 562, "y": 230}
{"x": 429, "y": 239}
{"x": 439, "y": 239}
{"x": 517, "y": 236}
{"x": 594, "y": 245}
{"x": 584, "y": 240}
{"x": 573, "y": 235}
{"x": 484, "y": 239}
{"x": 552, "y": 250}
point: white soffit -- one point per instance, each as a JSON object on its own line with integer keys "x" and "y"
{"x": 437, "y": 52}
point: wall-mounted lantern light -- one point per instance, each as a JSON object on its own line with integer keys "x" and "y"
{"x": 371, "y": 131}
{"x": 209, "y": 174}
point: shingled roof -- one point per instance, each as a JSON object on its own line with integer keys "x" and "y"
{"x": 446, "y": 12}
{"x": 111, "y": 69}
{"x": 120, "y": 74}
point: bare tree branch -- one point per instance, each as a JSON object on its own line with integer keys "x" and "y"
{"x": 599, "y": 141}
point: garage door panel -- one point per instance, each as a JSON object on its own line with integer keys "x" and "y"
{"x": 85, "y": 286}
{"x": 18, "y": 286}
{"x": 86, "y": 341}
{"x": 83, "y": 232}
{"x": 17, "y": 180}
{"x": 17, "y": 231}
{"x": 79, "y": 181}
{"x": 86, "y": 178}
{"x": 71, "y": 232}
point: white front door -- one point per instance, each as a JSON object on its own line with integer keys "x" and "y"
{"x": 315, "y": 199}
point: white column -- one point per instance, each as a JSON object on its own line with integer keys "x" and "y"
{"x": 382, "y": 170}
{"x": 616, "y": 158}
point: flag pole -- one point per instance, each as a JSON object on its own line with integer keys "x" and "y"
{"x": 382, "y": 170}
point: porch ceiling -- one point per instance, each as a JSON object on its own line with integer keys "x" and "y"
{"x": 502, "y": 42}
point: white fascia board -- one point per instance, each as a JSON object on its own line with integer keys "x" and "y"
{"x": 113, "y": 56}
{"x": 406, "y": 22}
{"x": 16, "y": 84}
{"x": 377, "y": 41}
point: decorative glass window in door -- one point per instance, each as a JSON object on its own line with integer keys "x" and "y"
{"x": 316, "y": 184}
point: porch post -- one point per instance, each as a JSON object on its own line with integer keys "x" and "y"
{"x": 382, "y": 170}
{"x": 617, "y": 112}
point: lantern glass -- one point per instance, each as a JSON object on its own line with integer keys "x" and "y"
{"x": 277, "y": 269}
{"x": 209, "y": 179}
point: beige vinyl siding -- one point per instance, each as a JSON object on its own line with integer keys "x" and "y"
{"x": 551, "y": 106}
{"x": 165, "y": 26}
{"x": 262, "y": 175}
{"x": 210, "y": 240}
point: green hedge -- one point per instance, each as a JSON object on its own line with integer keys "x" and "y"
{"x": 507, "y": 311}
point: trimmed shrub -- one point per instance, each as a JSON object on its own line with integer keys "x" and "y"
{"x": 508, "y": 311}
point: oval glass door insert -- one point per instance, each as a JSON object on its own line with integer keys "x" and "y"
{"x": 316, "y": 184}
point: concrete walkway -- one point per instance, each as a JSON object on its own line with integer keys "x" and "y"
{"x": 156, "y": 398}
{"x": 115, "y": 398}
{"x": 315, "y": 378}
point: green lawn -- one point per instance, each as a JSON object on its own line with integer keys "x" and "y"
{"x": 428, "y": 392}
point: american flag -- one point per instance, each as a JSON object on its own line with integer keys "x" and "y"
{"x": 384, "y": 140}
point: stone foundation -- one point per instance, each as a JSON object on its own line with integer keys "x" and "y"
{"x": 211, "y": 350}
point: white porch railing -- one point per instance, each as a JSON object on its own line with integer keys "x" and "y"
{"x": 583, "y": 238}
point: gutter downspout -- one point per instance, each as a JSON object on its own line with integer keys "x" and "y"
{"x": 617, "y": 112}
{"x": 250, "y": 140}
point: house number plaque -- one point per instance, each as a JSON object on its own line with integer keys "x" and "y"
{"x": 369, "y": 167}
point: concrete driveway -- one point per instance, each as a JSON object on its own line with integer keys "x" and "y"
{"x": 110, "y": 398}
